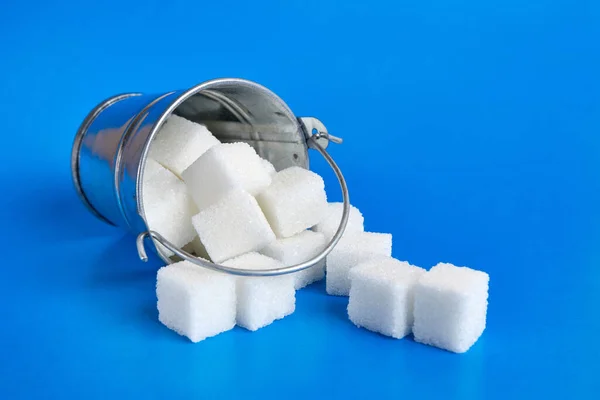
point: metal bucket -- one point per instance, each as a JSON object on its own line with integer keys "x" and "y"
{"x": 111, "y": 147}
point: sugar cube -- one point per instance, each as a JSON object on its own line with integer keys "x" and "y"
{"x": 294, "y": 201}
{"x": 382, "y": 296}
{"x": 194, "y": 301}
{"x": 351, "y": 251}
{"x": 167, "y": 205}
{"x": 233, "y": 226}
{"x": 261, "y": 299}
{"x": 297, "y": 249}
{"x": 179, "y": 143}
{"x": 152, "y": 169}
{"x": 330, "y": 224}
{"x": 450, "y": 307}
{"x": 268, "y": 167}
{"x": 223, "y": 168}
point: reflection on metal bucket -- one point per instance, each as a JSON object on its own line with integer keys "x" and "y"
{"x": 111, "y": 147}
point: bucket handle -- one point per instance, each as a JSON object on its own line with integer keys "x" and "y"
{"x": 312, "y": 142}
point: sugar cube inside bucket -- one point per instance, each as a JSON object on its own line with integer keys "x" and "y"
{"x": 268, "y": 167}
{"x": 382, "y": 296}
{"x": 297, "y": 249}
{"x": 330, "y": 224}
{"x": 179, "y": 142}
{"x": 168, "y": 207}
{"x": 450, "y": 307}
{"x": 223, "y": 168}
{"x": 195, "y": 302}
{"x": 295, "y": 201}
{"x": 350, "y": 251}
{"x": 233, "y": 226}
{"x": 262, "y": 299}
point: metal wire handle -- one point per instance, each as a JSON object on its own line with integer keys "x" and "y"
{"x": 312, "y": 142}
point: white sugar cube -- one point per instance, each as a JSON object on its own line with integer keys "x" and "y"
{"x": 294, "y": 201}
{"x": 152, "y": 169}
{"x": 268, "y": 167}
{"x": 351, "y": 251}
{"x": 331, "y": 223}
{"x": 179, "y": 143}
{"x": 223, "y": 168}
{"x": 450, "y": 307}
{"x": 167, "y": 205}
{"x": 233, "y": 226}
{"x": 194, "y": 301}
{"x": 382, "y": 296}
{"x": 262, "y": 300}
{"x": 297, "y": 249}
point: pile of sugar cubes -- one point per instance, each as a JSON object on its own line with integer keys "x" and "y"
{"x": 228, "y": 205}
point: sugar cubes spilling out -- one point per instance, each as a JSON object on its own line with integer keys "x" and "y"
{"x": 222, "y": 202}
{"x": 351, "y": 251}
{"x": 450, "y": 307}
{"x": 167, "y": 205}
{"x": 264, "y": 299}
{"x": 179, "y": 143}
{"x": 233, "y": 226}
{"x": 330, "y": 224}
{"x": 294, "y": 202}
{"x": 297, "y": 249}
{"x": 382, "y": 296}
{"x": 223, "y": 168}
{"x": 445, "y": 307}
{"x": 195, "y": 302}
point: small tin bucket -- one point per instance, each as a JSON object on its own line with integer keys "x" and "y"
{"x": 111, "y": 148}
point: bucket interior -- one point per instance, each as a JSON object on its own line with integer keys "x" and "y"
{"x": 241, "y": 111}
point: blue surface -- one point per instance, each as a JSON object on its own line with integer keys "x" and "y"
{"x": 472, "y": 134}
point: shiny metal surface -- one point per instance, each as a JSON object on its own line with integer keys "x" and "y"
{"x": 78, "y": 142}
{"x": 100, "y": 155}
{"x": 112, "y": 144}
{"x": 313, "y": 128}
{"x": 237, "y": 110}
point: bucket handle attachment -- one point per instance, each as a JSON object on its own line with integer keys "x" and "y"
{"x": 309, "y": 125}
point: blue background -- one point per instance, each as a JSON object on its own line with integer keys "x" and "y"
{"x": 472, "y": 134}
